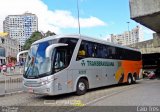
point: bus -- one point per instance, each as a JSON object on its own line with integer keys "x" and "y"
{"x": 74, "y": 63}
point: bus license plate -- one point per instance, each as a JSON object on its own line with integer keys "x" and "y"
{"x": 30, "y": 90}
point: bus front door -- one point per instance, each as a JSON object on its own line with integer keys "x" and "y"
{"x": 60, "y": 72}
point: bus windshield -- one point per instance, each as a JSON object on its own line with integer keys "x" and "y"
{"x": 37, "y": 65}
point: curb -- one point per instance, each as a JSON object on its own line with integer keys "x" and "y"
{"x": 11, "y": 93}
{"x": 2, "y": 95}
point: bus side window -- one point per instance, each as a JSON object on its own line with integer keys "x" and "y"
{"x": 101, "y": 51}
{"x": 85, "y": 50}
{"x": 120, "y": 52}
{"x": 105, "y": 52}
{"x": 95, "y": 50}
{"x": 110, "y": 54}
{"x": 81, "y": 52}
{"x": 60, "y": 60}
{"x": 90, "y": 50}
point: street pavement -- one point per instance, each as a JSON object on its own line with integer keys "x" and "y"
{"x": 144, "y": 93}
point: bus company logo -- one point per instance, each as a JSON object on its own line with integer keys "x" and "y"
{"x": 83, "y": 63}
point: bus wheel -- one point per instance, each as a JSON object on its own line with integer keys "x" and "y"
{"x": 81, "y": 87}
{"x": 130, "y": 80}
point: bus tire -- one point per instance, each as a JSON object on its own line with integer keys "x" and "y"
{"x": 130, "y": 80}
{"x": 134, "y": 79}
{"x": 81, "y": 86}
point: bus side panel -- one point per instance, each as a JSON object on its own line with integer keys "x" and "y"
{"x": 60, "y": 82}
{"x": 108, "y": 74}
{"x": 131, "y": 67}
{"x": 70, "y": 81}
{"x": 74, "y": 73}
{"x": 93, "y": 76}
{"x": 126, "y": 67}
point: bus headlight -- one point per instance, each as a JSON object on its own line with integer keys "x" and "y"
{"x": 45, "y": 82}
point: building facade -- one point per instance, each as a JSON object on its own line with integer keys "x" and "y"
{"x": 128, "y": 37}
{"x": 118, "y": 39}
{"x": 9, "y": 49}
{"x": 2, "y": 55}
{"x": 20, "y": 27}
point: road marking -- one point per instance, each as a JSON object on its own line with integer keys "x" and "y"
{"x": 105, "y": 96}
{"x": 14, "y": 92}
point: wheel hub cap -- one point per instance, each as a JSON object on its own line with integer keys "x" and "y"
{"x": 81, "y": 86}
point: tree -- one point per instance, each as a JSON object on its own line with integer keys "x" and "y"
{"x": 49, "y": 33}
{"x": 35, "y": 36}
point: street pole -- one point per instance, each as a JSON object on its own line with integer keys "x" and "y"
{"x": 79, "y": 27}
{"x": 128, "y": 29}
{"x": 128, "y": 26}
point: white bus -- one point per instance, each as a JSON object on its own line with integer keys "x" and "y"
{"x": 74, "y": 63}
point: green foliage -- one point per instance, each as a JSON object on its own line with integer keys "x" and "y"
{"x": 35, "y": 36}
{"x": 49, "y": 33}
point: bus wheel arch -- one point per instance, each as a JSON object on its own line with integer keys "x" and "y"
{"x": 82, "y": 86}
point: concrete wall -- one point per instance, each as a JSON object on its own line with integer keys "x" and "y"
{"x": 156, "y": 40}
{"x": 144, "y": 7}
{"x": 149, "y": 46}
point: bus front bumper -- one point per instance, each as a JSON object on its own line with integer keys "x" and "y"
{"x": 42, "y": 90}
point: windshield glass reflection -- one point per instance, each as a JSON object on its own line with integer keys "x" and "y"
{"x": 37, "y": 65}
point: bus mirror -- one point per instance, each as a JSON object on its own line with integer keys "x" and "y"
{"x": 51, "y": 47}
{"x": 22, "y": 52}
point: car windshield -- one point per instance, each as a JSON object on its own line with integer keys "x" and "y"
{"x": 37, "y": 65}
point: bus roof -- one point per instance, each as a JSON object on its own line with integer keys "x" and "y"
{"x": 83, "y": 38}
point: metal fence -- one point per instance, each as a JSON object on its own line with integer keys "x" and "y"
{"x": 11, "y": 80}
